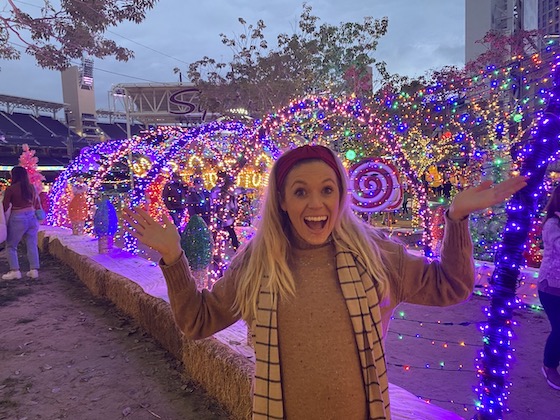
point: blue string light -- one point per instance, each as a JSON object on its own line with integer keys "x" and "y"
{"x": 495, "y": 357}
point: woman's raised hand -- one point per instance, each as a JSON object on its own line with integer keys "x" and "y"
{"x": 164, "y": 238}
{"x": 483, "y": 196}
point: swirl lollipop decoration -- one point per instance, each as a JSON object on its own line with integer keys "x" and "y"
{"x": 375, "y": 186}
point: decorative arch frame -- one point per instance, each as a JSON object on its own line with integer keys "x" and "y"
{"x": 279, "y": 124}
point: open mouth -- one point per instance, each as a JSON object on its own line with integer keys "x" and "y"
{"x": 315, "y": 222}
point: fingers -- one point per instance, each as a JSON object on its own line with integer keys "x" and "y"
{"x": 512, "y": 185}
{"x": 505, "y": 189}
{"x": 140, "y": 221}
{"x": 132, "y": 231}
{"x": 484, "y": 185}
{"x": 144, "y": 216}
{"x": 487, "y": 195}
{"x": 516, "y": 180}
{"x": 166, "y": 220}
{"x": 128, "y": 217}
{"x": 131, "y": 217}
{"x": 132, "y": 226}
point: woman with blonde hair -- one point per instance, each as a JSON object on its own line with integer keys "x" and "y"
{"x": 318, "y": 287}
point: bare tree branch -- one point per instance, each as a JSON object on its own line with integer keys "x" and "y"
{"x": 77, "y": 28}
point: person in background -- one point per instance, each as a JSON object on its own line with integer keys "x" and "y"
{"x": 22, "y": 224}
{"x": 549, "y": 288}
{"x": 225, "y": 206}
{"x": 406, "y": 197}
{"x": 174, "y": 198}
{"x": 447, "y": 187}
{"x": 318, "y": 287}
{"x": 426, "y": 184}
{"x": 3, "y": 219}
{"x": 198, "y": 200}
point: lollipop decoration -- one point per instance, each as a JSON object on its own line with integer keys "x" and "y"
{"x": 375, "y": 186}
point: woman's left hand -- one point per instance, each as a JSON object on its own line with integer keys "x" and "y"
{"x": 483, "y": 196}
{"x": 162, "y": 237}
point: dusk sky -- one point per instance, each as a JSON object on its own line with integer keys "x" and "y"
{"x": 422, "y": 35}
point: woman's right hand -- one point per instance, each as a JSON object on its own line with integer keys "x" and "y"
{"x": 163, "y": 238}
{"x": 483, "y": 196}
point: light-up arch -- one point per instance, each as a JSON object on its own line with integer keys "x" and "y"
{"x": 93, "y": 163}
{"x": 204, "y": 150}
{"x": 346, "y": 126}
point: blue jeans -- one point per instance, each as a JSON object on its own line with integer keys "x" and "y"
{"x": 551, "y": 305}
{"x": 23, "y": 224}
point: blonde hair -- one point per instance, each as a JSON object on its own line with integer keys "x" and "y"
{"x": 265, "y": 257}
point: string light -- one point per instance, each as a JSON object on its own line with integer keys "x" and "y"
{"x": 437, "y": 118}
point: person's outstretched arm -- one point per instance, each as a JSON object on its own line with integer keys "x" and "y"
{"x": 483, "y": 196}
{"x": 450, "y": 279}
{"x": 198, "y": 314}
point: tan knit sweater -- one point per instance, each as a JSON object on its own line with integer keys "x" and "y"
{"x": 327, "y": 368}
{"x": 321, "y": 374}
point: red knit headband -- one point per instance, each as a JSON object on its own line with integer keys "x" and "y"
{"x": 287, "y": 161}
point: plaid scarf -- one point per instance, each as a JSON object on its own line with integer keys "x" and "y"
{"x": 362, "y": 302}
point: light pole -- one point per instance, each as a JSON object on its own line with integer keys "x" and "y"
{"x": 69, "y": 140}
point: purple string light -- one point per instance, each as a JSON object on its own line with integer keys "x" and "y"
{"x": 495, "y": 357}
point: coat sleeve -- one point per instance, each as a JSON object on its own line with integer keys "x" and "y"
{"x": 199, "y": 314}
{"x": 440, "y": 282}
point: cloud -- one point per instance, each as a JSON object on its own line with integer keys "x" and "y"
{"x": 422, "y": 35}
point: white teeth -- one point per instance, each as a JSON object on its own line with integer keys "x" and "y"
{"x": 316, "y": 218}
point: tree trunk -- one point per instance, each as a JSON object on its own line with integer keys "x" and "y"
{"x": 105, "y": 244}
{"x": 77, "y": 228}
{"x": 201, "y": 278}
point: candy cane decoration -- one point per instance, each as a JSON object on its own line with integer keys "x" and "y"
{"x": 375, "y": 186}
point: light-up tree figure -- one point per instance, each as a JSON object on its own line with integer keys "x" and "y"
{"x": 494, "y": 359}
{"x": 29, "y": 161}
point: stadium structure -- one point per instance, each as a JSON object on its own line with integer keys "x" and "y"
{"x": 58, "y": 131}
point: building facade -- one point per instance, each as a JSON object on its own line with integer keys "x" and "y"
{"x": 504, "y": 16}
